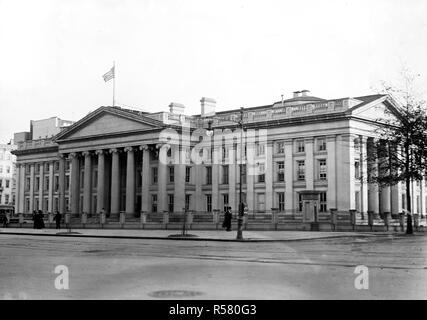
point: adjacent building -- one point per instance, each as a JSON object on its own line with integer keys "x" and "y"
{"x": 7, "y": 171}
{"x": 119, "y": 159}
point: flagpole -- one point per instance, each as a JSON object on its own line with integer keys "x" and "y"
{"x": 114, "y": 82}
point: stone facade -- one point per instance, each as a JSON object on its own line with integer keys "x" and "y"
{"x": 123, "y": 160}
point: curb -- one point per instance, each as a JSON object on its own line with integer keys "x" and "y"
{"x": 179, "y": 238}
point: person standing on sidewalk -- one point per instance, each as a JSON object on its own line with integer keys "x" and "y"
{"x": 227, "y": 219}
{"x": 58, "y": 218}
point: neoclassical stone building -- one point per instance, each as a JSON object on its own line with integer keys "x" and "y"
{"x": 113, "y": 159}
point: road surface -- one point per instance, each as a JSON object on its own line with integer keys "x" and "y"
{"x": 174, "y": 269}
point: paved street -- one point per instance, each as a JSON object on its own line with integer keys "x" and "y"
{"x": 103, "y": 268}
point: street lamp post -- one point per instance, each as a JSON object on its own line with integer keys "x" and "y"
{"x": 241, "y": 205}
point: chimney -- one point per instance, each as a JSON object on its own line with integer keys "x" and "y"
{"x": 282, "y": 100}
{"x": 176, "y": 108}
{"x": 208, "y": 107}
{"x": 304, "y": 93}
{"x": 296, "y": 94}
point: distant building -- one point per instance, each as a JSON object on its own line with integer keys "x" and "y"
{"x": 7, "y": 172}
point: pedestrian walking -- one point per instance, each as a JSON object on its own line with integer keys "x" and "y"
{"x": 227, "y": 219}
{"x": 40, "y": 221}
{"x": 35, "y": 220}
{"x": 58, "y": 218}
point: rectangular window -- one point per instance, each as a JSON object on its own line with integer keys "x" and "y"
{"x": 321, "y": 144}
{"x": 187, "y": 174}
{"x": 260, "y": 149}
{"x": 225, "y": 174}
{"x": 27, "y": 184}
{"x": 280, "y": 147}
{"x": 322, "y": 169}
{"x": 95, "y": 179}
{"x": 300, "y": 146}
{"x": 56, "y": 204}
{"x": 6, "y": 199}
{"x": 56, "y": 166}
{"x": 154, "y": 175}
{"x": 170, "y": 202}
{"x": 224, "y": 152}
{"x": 67, "y": 165}
{"x": 7, "y": 183}
{"x": 323, "y": 202}
{"x": 45, "y": 204}
{"x": 280, "y": 171}
{"x": 187, "y": 201}
{"x": 67, "y": 182}
{"x": 46, "y": 167}
{"x": 208, "y": 175}
{"x": 37, "y": 184}
{"x": 225, "y": 199}
{"x": 154, "y": 203}
{"x": 27, "y": 204}
{"x": 357, "y": 169}
{"x": 171, "y": 174}
{"x": 67, "y": 204}
{"x": 209, "y": 203}
{"x": 261, "y": 175}
{"x": 37, "y": 168}
{"x": 46, "y": 183}
{"x": 301, "y": 170}
{"x": 281, "y": 198}
{"x": 27, "y": 169}
{"x": 8, "y": 169}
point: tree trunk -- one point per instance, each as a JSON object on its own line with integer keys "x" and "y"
{"x": 409, "y": 229}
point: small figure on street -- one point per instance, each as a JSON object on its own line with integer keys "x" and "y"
{"x": 35, "y": 220}
{"x": 58, "y": 218}
{"x": 227, "y": 219}
{"x": 3, "y": 219}
{"x": 40, "y": 221}
{"x": 409, "y": 229}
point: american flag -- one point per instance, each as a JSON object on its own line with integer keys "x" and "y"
{"x": 109, "y": 75}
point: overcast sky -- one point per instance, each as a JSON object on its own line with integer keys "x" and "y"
{"x": 242, "y": 53}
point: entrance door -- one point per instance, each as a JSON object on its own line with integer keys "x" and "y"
{"x": 308, "y": 211}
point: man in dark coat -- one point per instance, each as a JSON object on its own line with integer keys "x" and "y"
{"x": 35, "y": 220}
{"x": 227, "y": 219}
{"x": 58, "y": 218}
{"x": 40, "y": 222}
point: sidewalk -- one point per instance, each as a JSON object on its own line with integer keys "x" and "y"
{"x": 194, "y": 235}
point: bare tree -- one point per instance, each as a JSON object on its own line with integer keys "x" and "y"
{"x": 400, "y": 153}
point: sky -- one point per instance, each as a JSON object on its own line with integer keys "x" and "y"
{"x": 242, "y": 53}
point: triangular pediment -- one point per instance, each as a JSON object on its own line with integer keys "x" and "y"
{"x": 379, "y": 110}
{"x": 107, "y": 121}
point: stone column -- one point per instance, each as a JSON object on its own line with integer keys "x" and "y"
{"x": 331, "y": 172}
{"x": 75, "y": 183}
{"x": 373, "y": 194}
{"x": 199, "y": 173}
{"x": 61, "y": 183}
{"x": 232, "y": 196}
{"x": 100, "y": 190}
{"x": 145, "y": 194}
{"x": 32, "y": 188}
{"x": 162, "y": 201}
{"x": 41, "y": 185}
{"x": 18, "y": 188}
{"x": 179, "y": 183}
{"x": 51, "y": 181}
{"x": 309, "y": 164}
{"x": 269, "y": 177}
{"x": 215, "y": 177}
{"x": 364, "y": 175}
{"x": 345, "y": 172}
{"x": 130, "y": 180}
{"x": 396, "y": 199}
{"x": 385, "y": 199}
{"x": 21, "y": 190}
{"x": 115, "y": 181}
{"x": 289, "y": 177}
{"x": 87, "y": 188}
